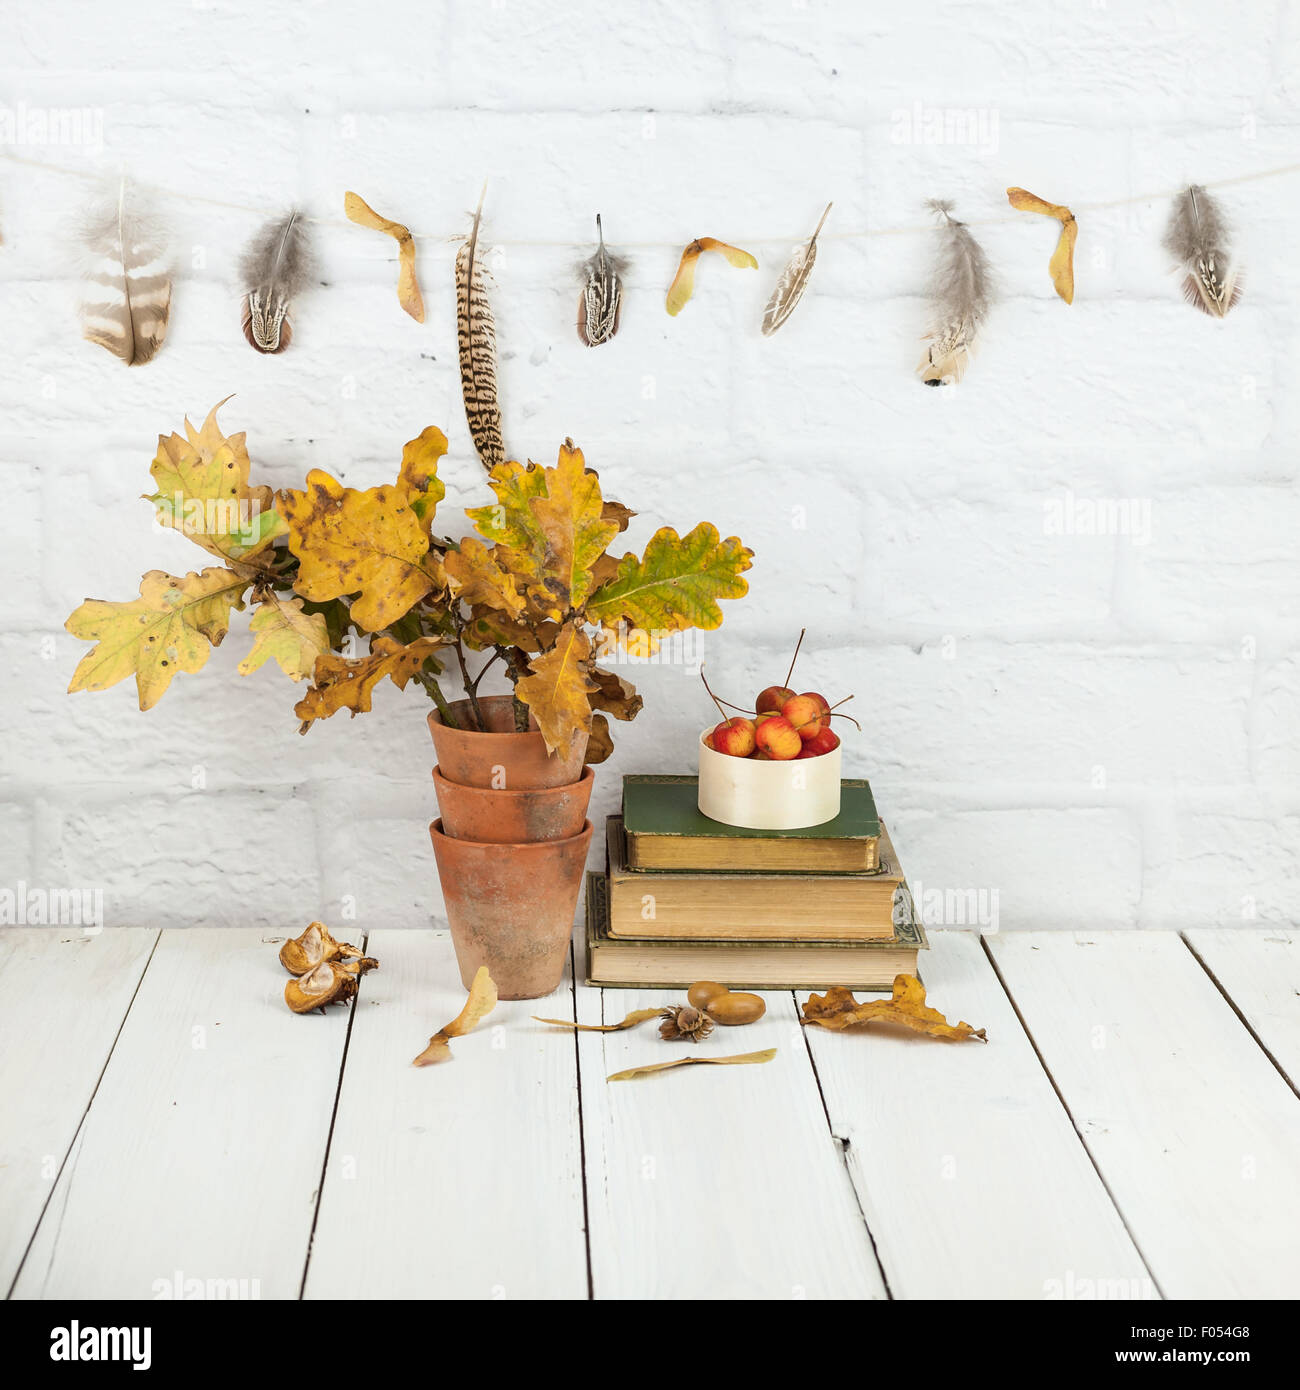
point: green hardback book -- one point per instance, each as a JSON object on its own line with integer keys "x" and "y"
{"x": 641, "y": 964}
{"x": 665, "y": 829}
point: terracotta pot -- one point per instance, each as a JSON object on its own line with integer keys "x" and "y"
{"x": 513, "y": 817}
{"x": 511, "y": 907}
{"x": 500, "y": 759}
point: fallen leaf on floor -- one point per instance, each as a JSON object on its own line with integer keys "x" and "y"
{"x": 635, "y": 1017}
{"x": 482, "y": 1000}
{"x": 742, "y": 1059}
{"x": 838, "y": 1009}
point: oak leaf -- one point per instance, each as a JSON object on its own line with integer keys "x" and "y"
{"x": 683, "y": 285}
{"x": 408, "y": 288}
{"x": 171, "y": 627}
{"x": 283, "y": 632}
{"x": 349, "y": 683}
{"x": 370, "y": 543}
{"x": 615, "y": 695}
{"x": 482, "y": 1000}
{"x": 837, "y": 1009}
{"x": 600, "y": 742}
{"x": 418, "y": 475}
{"x": 557, "y": 688}
{"x": 203, "y": 492}
{"x": 675, "y": 585}
{"x": 476, "y": 578}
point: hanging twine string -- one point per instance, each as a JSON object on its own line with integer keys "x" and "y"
{"x": 162, "y": 191}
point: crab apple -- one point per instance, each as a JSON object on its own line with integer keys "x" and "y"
{"x": 805, "y": 714}
{"x": 735, "y": 737}
{"x": 825, "y": 742}
{"x": 778, "y": 738}
{"x": 822, "y": 701}
{"x": 771, "y": 699}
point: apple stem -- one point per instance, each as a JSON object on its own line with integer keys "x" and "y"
{"x": 726, "y": 718}
{"x": 849, "y": 717}
{"x": 795, "y": 657}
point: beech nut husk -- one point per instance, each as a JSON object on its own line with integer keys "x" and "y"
{"x": 304, "y": 953}
{"x": 332, "y": 982}
{"x": 724, "y": 1007}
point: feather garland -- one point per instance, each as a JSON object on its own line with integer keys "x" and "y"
{"x": 1197, "y": 236}
{"x": 476, "y": 338}
{"x": 275, "y": 268}
{"x": 794, "y": 280}
{"x": 601, "y": 302}
{"x": 128, "y": 295}
{"x": 960, "y": 295}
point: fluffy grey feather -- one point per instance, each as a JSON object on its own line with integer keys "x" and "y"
{"x": 601, "y": 303}
{"x": 127, "y": 299}
{"x": 276, "y": 266}
{"x": 1197, "y": 235}
{"x": 960, "y": 293}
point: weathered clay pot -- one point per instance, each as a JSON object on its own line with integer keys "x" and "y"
{"x": 500, "y": 759}
{"x": 513, "y": 817}
{"x": 511, "y": 907}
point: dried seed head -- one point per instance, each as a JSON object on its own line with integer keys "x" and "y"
{"x": 304, "y": 953}
{"x": 684, "y": 1021}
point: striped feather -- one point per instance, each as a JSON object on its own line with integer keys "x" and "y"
{"x": 794, "y": 280}
{"x": 601, "y": 304}
{"x": 127, "y": 299}
{"x": 476, "y": 338}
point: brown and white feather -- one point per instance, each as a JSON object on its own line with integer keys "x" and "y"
{"x": 276, "y": 267}
{"x": 1197, "y": 236}
{"x": 600, "y": 305}
{"x": 793, "y": 282}
{"x": 476, "y": 338}
{"x": 127, "y": 299}
{"x": 960, "y": 295}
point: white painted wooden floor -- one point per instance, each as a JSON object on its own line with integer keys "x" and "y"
{"x": 1129, "y": 1130}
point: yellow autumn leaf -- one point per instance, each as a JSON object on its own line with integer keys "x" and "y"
{"x": 557, "y": 687}
{"x": 418, "y": 475}
{"x": 368, "y": 543}
{"x": 283, "y": 632}
{"x": 615, "y": 695}
{"x": 683, "y": 285}
{"x": 482, "y": 1000}
{"x": 203, "y": 492}
{"x": 475, "y": 577}
{"x": 1061, "y": 266}
{"x": 349, "y": 683}
{"x": 837, "y": 1009}
{"x": 676, "y": 584}
{"x": 408, "y": 288}
{"x": 171, "y": 627}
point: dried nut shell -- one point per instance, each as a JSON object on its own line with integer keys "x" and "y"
{"x": 732, "y": 1009}
{"x": 329, "y": 983}
{"x": 700, "y": 994}
{"x": 306, "y": 952}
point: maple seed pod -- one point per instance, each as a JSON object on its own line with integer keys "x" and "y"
{"x": 733, "y": 1009}
{"x": 304, "y": 953}
{"x": 700, "y": 994}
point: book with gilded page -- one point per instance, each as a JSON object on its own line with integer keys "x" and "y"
{"x": 665, "y": 829}
{"x": 750, "y": 906}
{"x": 651, "y": 964}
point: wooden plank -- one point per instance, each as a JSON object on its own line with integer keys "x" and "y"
{"x": 201, "y": 1155}
{"x": 972, "y": 1178}
{"x": 715, "y": 1182}
{"x": 63, "y": 996}
{"x": 1193, "y": 1129}
{"x": 1259, "y": 970}
{"x": 460, "y": 1180}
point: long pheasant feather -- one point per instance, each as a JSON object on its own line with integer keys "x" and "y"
{"x": 794, "y": 280}
{"x": 476, "y": 337}
{"x": 128, "y": 293}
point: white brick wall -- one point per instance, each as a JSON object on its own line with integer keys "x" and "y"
{"x": 1102, "y": 730}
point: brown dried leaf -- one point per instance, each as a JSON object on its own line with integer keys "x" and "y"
{"x": 600, "y": 742}
{"x": 1061, "y": 266}
{"x": 635, "y": 1017}
{"x": 742, "y": 1059}
{"x": 837, "y": 1009}
{"x": 408, "y": 288}
{"x": 615, "y": 695}
{"x": 482, "y": 1000}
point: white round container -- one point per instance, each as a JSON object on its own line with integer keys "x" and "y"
{"x": 759, "y": 794}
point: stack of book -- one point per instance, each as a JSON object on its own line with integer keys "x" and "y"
{"x": 685, "y": 898}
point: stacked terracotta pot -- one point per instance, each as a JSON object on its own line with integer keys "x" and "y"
{"x": 511, "y": 845}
